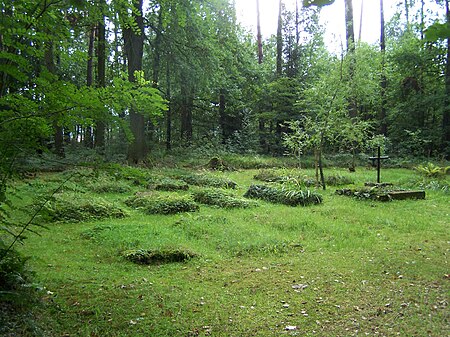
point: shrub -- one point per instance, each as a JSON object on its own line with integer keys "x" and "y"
{"x": 143, "y": 256}
{"x": 78, "y": 208}
{"x": 169, "y": 184}
{"x": 267, "y": 176}
{"x": 110, "y": 186}
{"x": 207, "y": 181}
{"x": 138, "y": 176}
{"x": 431, "y": 170}
{"x": 289, "y": 197}
{"x": 162, "y": 205}
{"x": 14, "y": 274}
{"x": 338, "y": 179}
{"x": 219, "y": 198}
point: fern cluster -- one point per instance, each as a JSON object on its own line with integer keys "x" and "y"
{"x": 431, "y": 170}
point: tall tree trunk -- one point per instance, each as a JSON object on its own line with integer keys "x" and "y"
{"x": 297, "y": 31}
{"x": 407, "y": 13}
{"x": 222, "y": 117}
{"x": 157, "y": 48}
{"x": 169, "y": 110}
{"x": 101, "y": 78}
{"x": 88, "y": 136}
{"x": 58, "y": 131}
{"x": 261, "y": 124}
{"x": 134, "y": 47}
{"x": 258, "y": 35}
{"x": 280, "y": 41}
{"x": 350, "y": 38}
{"x": 187, "y": 101}
{"x": 383, "y": 82}
{"x": 446, "y": 115}
{"x": 349, "y": 26}
{"x": 361, "y": 20}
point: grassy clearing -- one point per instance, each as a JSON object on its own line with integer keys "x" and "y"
{"x": 342, "y": 268}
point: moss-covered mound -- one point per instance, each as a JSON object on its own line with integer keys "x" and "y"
{"x": 203, "y": 180}
{"x": 78, "y": 208}
{"x": 220, "y": 198}
{"x": 144, "y": 256}
{"x": 289, "y": 197}
{"x": 154, "y": 204}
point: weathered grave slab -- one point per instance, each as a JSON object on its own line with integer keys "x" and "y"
{"x": 402, "y": 195}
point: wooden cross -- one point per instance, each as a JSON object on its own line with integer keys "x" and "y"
{"x": 378, "y": 159}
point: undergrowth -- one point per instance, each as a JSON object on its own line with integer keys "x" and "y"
{"x": 217, "y": 197}
{"x": 78, "y": 208}
{"x": 158, "y": 204}
{"x": 289, "y": 197}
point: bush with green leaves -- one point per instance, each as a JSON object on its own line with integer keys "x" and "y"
{"x": 217, "y": 197}
{"x": 291, "y": 197}
{"x": 14, "y": 274}
{"x": 338, "y": 179}
{"x": 137, "y": 175}
{"x": 431, "y": 170}
{"x": 207, "y": 181}
{"x": 168, "y": 184}
{"x": 103, "y": 185}
{"x": 156, "y": 204}
{"x": 268, "y": 176}
{"x": 157, "y": 256}
{"x": 78, "y": 208}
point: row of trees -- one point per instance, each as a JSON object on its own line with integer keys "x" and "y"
{"x": 125, "y": 77}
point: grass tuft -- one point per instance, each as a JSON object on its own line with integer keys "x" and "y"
{"x": 154, "y": 204}
{"x": 216, "y": 197}
{"x": 143, "y": 256}
{"x": 289, "y": 197}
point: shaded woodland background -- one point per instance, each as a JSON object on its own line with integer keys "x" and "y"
{"x": 130, "y": 79}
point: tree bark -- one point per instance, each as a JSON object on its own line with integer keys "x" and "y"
{"x": 446, "y": 114}
{"x": 280, "y": 41}
{"x": 88, "y": 140}
{"x": 134, "y": 48}
{"x": 223, "y": 117}
{"x": 349, "y": 26}
{"x": 101, "y": 78}
{"x": 350, "y": 38}
{"x": 169, "y": 110}
{"x": 383, "y": 82}
{"x": 258, "y": 35}
{"x": 58, "y": 131}
{"x": 187, "y": 102}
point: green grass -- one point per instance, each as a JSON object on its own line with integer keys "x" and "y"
{"x": 342, "y": 268}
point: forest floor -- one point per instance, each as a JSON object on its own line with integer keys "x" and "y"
{"x": 345, "y": 267}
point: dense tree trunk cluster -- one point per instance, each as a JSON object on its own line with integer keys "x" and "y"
{"x": 195, "y": 78}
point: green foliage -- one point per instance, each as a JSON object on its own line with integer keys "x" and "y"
{"x": 339, "y": 179}
{"x": 319, "y": 3}
{"x": 78, "y": 208}
{"x": 438, "y": 31}
{"x": 14, "y": 273}
{"x": 204, "y": 180}
{"x": 431, "y": 170}
{"x": 289, "y": 197}
{"x": 143, "y": 256}
{"x": 106, "y": 185}
{"x": 217, "y": 197}
{"x": 365, "y": 193}
{"x": 136, "y": 175}
{"x": 168, "y": 184}
{"x": 155, "y": 204}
